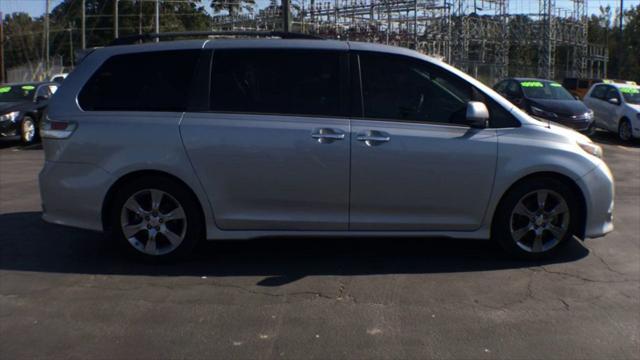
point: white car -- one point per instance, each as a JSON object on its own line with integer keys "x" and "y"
{"x": 59, "y": 78}
{"x": 616, "y": 108}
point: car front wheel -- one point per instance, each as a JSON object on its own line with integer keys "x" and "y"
{"x": 28, "y": 130}
{"x": 535, "y": 218}
{"x": 624, "y": 130}
{"x": 156, "y": 219}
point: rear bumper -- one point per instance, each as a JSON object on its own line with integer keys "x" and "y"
{"x": 72, "y": 194}
{"x": 598, "y": 190}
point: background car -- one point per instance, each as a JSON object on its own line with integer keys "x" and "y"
{"x": 59, "y": 78}
{"x": 21, "y": 108}
{"x": 546, "y": 100}
{"x": 616, "y": 108}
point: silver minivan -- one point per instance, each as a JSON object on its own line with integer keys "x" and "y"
{"x": 167, "y": 143}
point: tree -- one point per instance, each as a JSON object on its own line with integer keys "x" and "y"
{"x": 233, "y": 7}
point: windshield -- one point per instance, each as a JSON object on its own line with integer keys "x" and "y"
{"x": 547, "y": 90}
{"x": 631, "y": 95}
{"x": 16, "y": 93}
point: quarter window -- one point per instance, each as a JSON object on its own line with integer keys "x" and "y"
{"x": 148, "y": 81}
{"x": 276, "y": 82}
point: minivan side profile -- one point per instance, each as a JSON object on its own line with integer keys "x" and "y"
{"x": 166, "y": 144}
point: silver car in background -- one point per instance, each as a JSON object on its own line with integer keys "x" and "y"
{"x": 165, "y": 144}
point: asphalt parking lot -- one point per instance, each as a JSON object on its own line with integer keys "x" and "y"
{"x": 67, "y": 293}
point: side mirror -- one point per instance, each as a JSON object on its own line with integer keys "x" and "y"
{"x": 477, "y": 115}
{"x": 614, "y": 101}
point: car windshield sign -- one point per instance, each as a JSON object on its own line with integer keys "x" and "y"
{"x": 631, "y": 95}
{"x": 16, "y": 93}
{"x": 545, "y": 90}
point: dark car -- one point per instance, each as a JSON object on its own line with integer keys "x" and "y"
{"x": 546, "y": 100}
{"x": 21, "y": 108}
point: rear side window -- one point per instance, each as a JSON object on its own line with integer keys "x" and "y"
{"x": 149, "y": 81}
{"x": 276, "y": 82}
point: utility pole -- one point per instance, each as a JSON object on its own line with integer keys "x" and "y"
{"x": 83, "y": 40}
{"x": 115, "y": 19}
{"x": 286, "y": 15}
{"x": 2, "y": 78}
{"x": 621, "y": 45}
{"x": 157, "y": 19}
{"x": 71, "y": 45}
{"x": 140, "y": 17}
{"x": 46, "y": 40}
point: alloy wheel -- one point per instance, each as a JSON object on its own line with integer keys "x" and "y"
{"x": 28, "y": 130}
{"x": 624, "y": 131}
{"x": 153, "y": 222}
{"x": 539, "y": 221}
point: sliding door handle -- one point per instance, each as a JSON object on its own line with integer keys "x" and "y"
{"x": 325, "y": 136}
{"x": 373, "y": 138}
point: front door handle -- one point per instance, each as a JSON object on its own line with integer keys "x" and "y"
{"x": 373, "y": 138}
{"x": 326, "y": 136}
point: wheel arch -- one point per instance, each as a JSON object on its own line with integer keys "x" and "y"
{"x": 109, "y": 197}
{"x": 579, "y": 228}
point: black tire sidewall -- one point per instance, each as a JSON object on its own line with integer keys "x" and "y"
{"x": 501, "y": 224}
{"x": 195, "y": 228}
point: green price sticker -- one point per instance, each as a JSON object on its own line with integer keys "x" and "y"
{"x": 629, "y": 91}
{"x": 555, "y": 85}
{"x": 5, "y": 89}
{"x": 28, "y": 87}
{"x": 532, "y": 84}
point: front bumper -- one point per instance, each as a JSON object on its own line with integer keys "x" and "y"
{"x": 72, "y": 194}
{"x": 598, "y": 189}
{"x": 8, "y": 128}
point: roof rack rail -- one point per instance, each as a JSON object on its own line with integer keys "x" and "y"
{"x": 132, "y": 39}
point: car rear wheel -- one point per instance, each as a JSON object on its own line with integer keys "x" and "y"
{"x": 624, "y": 130}
{"x": 28, "y": 130}
{"x": 156, "y": 219}
{"x": 535, "y": 218}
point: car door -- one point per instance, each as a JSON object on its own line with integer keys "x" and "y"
{"x": 612, "y": 110}
{"x": 595, "y": 101}
{"x": 414, "y": 166}
{"x": 272, "y": 149}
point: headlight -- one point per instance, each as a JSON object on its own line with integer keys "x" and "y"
{"x": 539, "y": 112}
{"x": 589, "y": 114}
{"x": 12, "y": 116}
{"x": 591, "y": 148}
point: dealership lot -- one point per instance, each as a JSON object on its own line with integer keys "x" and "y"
{"x": 70, "y": 293}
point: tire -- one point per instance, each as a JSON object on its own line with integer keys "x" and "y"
{"x": 624, "y": 130}
{"x": 534, "y": 233}
{"x": 28, "y": 130}
{"x": 166, "y": 232}
{"x": 591, "y": 130}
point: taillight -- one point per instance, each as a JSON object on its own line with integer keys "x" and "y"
{"x": 55, "y": 129}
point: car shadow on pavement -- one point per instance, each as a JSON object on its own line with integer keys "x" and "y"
{"x": 15, "y": 143}
{"x": 609, "y": 138}
{"x": 27, "y": 243}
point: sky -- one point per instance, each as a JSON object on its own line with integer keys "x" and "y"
{"x": 37, "y": 7}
